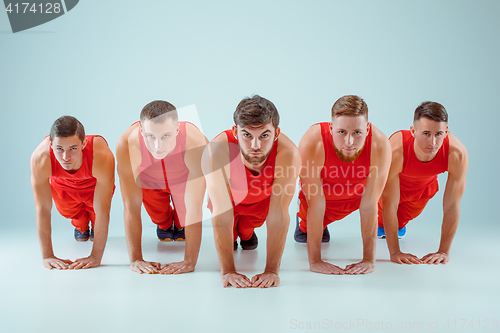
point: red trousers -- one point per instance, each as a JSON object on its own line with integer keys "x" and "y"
{"x": 335, "y": 210}
{"x": 411, "y": 204}
{"x": 157, "y": 204}
{"x": 249, "y": 217}
{"x": 76, "y": 205}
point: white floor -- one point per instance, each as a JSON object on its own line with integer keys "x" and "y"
{"x": 112, "y": 298}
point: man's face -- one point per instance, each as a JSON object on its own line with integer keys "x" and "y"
{"x": 349, "y": 134}
{"x": 160, "y": 137}
{"x": 68, "y": 151}
{"x": 429, "y": 136}
{"x": 256, "y": 142}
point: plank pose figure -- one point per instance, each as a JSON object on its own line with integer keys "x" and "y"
{"x": 251, "y": 176}
{"x": 76, "y": 171}
{"x": 345, "y": 166}
{"x": 418, "y": 156}
{"x": 159, "y": 165}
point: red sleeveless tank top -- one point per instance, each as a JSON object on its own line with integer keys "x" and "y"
{"x": 168, "y": 172}
{"x": 81, "y": 179}
{"x": 344, "y": 180}
{"x": 247, "y": 188}
{"x": 417, "y": 175}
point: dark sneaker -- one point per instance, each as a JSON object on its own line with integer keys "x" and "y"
{"x": 91, "y": 235}
{"x": 81, "y": 236}
{"x": 250, "y": 244}
{"x": 179, "y": 234}
{"x": 326, "y": 236}
{"x": 235, "y": 246}
{"x": 299, "y": 235}
{"x": 165, "y": 235}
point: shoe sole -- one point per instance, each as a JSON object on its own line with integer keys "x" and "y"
{"x": 166, "y": 239}
{"x": 179, "y": 239}
{"x": 82, "y": 240}
{"x": 249, "y": 248}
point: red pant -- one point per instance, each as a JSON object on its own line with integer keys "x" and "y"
{"x": 335, "y": 210}
{"x": 76, "y": 205}
{"x": 157, "y": 204}
{"x": 411, "y": 204}
{"x": 249, "y": 217}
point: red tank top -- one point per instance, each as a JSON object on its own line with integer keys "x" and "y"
{"x": 168, "y": 172}
{"x": 81, "y": 179}
{"x": 247, "y": 188}
{"x": 344, "y": 180}
{"x": 417, "y": 175}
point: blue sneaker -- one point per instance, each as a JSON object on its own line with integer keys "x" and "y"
{"x": 381, "y": 232}
{"x": 402, "y": 232}
{"x": 179, "y": 234}
{"x": 165, "y": 235}
{"x": 92, "y": 235}
{"x": 81, "y": 236}
{"x": 301, "y": 237}
{"x": 250, "y": 244}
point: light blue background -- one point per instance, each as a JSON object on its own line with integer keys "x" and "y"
{"x": 104, "y": 60}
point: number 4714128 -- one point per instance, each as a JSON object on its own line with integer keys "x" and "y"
{"x": 50, "y": 8}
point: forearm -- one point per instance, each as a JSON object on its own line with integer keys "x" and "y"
{"x": 450, "y": 224}
{"x": 391, "y": 226}
{"x": 223, "y": 236}
{"x": 368, "y": 232}
{"x": 133, "y": 233}
{"x": 193, "y": 242}
{"x": 101, "y": 227}
{"x": 43, "y": 218}
{"x": 277, "y": 228}
{"x": 314, "y": 235}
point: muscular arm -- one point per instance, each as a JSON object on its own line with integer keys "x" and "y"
{"x": 103, "y": 169}
{"x": 458, "y": 162}
{"x": 287, "y": 166}
{"x": 390, "y": 204}
{"x": 40, "y": 174}
{"x": 132, "y": 201}
{"x": 193, "y": 200}
{"x": 216, "y": 170}
{"x": 379, "y": 169}
{"x": 313, "y": 157}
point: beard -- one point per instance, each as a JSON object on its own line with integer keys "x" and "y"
{"x": 346, "y": 158}
{"x": 254, "y": 160}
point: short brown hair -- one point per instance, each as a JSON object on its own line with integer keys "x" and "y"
{"x": 155, "y": 109}
{"x": 431, "y": 110}
{"x": 256, "y": 111}
{"x": 67, "y": 126}
{"x": 350, "y": 105}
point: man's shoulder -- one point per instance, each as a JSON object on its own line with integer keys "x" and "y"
{"x": 194, "y": 136}
{"x": 102, "y": 155}
{"x": 312, "y": 140}
{"x": 40, "y": 159}
{"x": 457, "y": 151}
{"x": 379, "y": 140}
{"x": 287, "y": 152}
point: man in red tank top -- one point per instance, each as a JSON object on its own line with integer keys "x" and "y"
{"x": 159, "y": 166}
{"x": 344, "y": 168}
{"x": 251, "y": 171}
{"x": 78, "y": 173}
{"x": 418, "y": 156}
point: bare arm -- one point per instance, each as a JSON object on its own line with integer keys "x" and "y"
{"x": 132, "y": 202}
{"x": 312, "y": 153}
{"x": 103, "y": 169}
{"x": 458, "y": 162}
{"x": 288, "y": 165}
{"x": 379, "y": 169}
{"x": 390, "y": 204}
{"x": 40, "y": 174}
{"x": 216, "y": 170}
{"x": 193, "y": 200}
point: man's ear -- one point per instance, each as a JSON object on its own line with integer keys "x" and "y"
{"x": 413, "y": 130}
{"x": 84, "y": 143}
{"x": 277, "y": 133}
{"x": 235, "y": 132}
